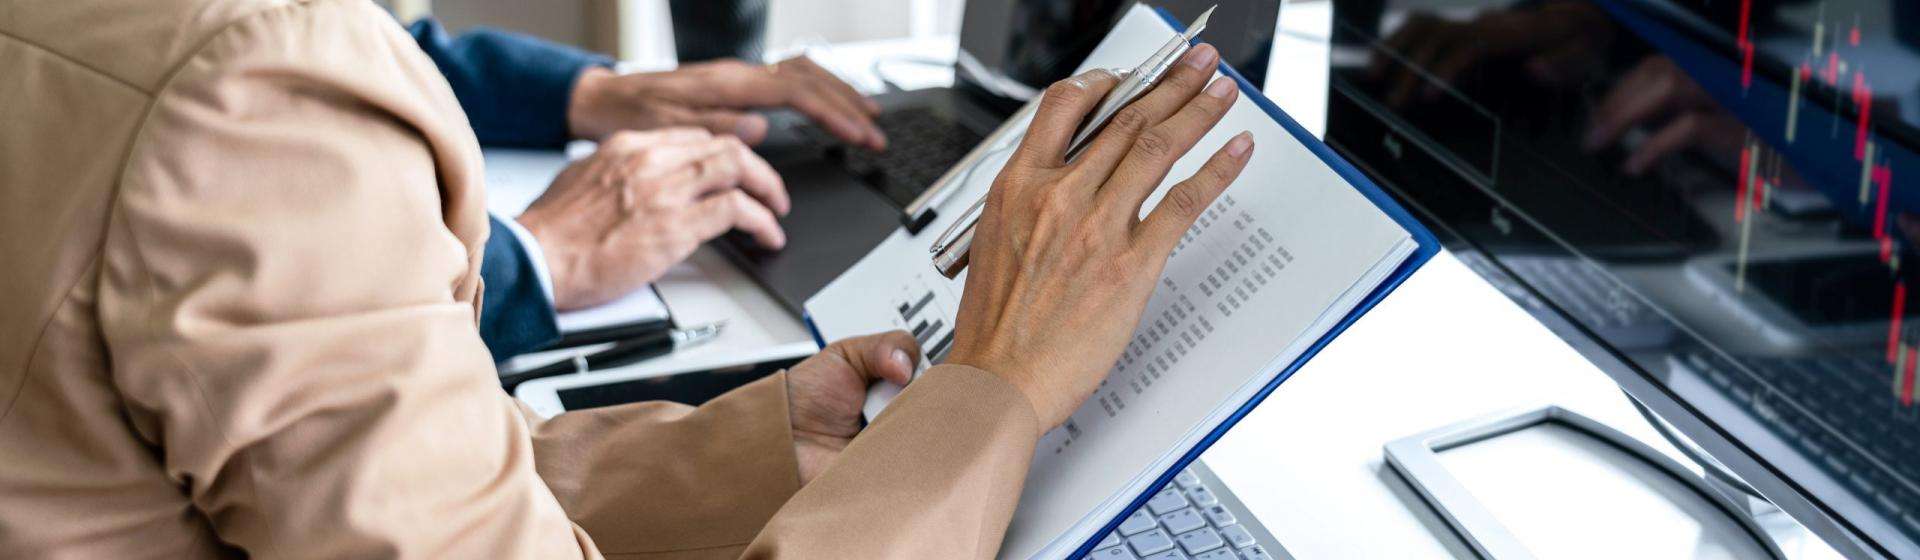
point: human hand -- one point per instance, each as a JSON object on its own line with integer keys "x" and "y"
{"x": 1658, "y": 91}
{"x": 715, "y": 95}
{"x": 1061, "y": 263}
{"x": 1561, "y": 42}
{"x": 826, "y": 392}
{"x": 618, "y": 219}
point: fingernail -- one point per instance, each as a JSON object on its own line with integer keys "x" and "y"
{"x": 879, "y": 139}
{"x": 1220, "y": 88}
{"x": 901, "y": 359}
{"x": 872, "y": 106}
{"x": 1201, "y": 57}
{"x": 1240, "y": 144}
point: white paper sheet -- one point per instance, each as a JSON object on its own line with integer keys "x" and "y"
{"x": 641, "y": 305}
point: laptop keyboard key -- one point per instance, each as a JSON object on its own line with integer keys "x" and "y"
{"x": 1167, "y": 500}
{"x": 1150, "y": 542}
{"x": 1220, "y": 516}
{"x": 1202, "y": 497}
{"x": 1200, "y": 540}
{"x": 1183, "y": 520}
{"x": 1139, "y": 521}
{"x": 1237, "y": 535}
{"x": 1256, "y": 553}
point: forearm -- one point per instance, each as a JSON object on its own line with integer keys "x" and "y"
{"x": 935, "y": 476}
{"x": 660, "y": 478}
{"x": 514, "y": 88}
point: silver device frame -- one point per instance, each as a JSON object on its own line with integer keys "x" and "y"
{"x": 1416, "y": 459}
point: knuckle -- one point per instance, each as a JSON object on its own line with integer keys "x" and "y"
{"x": 1218, "y": 173}
{"x": 1131, "y": 119}
{"x": 1155, "y": 144}
{"x": 1184, "y": 201}
{"x": 1065, "y": 93}
{"x": 624, "y": 139}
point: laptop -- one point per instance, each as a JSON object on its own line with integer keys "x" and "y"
{"x": 846, "y": 199}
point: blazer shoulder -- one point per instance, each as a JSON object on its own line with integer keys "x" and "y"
{"x": 137, "y": 42}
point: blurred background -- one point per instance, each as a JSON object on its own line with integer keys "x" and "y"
{"x": 640, "y": 30}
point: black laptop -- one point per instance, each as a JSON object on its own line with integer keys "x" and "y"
{"x": 847, "y": 199}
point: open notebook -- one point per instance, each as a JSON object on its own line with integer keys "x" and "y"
{"x": 1292, "y": 253}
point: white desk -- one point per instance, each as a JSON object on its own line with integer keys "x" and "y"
{"x": 1445, "y": 347}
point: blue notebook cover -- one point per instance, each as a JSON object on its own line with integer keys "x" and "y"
{"x": 1429, "y": 245}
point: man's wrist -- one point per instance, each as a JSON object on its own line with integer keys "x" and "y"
{"x": 537, "y": 256}
{"x": 590, "y": 91}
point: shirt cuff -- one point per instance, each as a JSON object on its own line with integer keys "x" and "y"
{"x": 531, "y": 246}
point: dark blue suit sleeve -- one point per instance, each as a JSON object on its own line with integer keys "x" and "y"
{"x": 515, "y": 316}
{"x": 514, "y": 88}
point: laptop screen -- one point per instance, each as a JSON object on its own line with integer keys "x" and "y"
{"x": 1014, "y": 48}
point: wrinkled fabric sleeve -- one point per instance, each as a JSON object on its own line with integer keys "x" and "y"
{"x": 661, "y": 480}
{"x": 288, "y": 296}
{"x": 937, "y": 475}
{"x": 515, "y": 88}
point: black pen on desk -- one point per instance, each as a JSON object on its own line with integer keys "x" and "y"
{"x": 622, "y": 353}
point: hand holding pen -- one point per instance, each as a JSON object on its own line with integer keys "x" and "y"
{"x": 950, "y": 250}
{"x": 1062, "y": 263}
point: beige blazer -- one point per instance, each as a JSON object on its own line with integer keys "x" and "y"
{"x": 239, "y": 254}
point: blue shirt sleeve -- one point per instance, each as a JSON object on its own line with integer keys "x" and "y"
{"x": 514, "y": 88}
{"x": 515, "y": 315}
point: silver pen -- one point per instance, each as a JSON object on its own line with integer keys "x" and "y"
{"x": 951, "y": 248}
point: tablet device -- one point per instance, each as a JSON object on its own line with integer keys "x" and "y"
{"x": 694, "y": 384}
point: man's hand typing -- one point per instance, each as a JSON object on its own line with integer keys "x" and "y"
{"x": 644, "y": 201}
{"x": 716, "y": 95}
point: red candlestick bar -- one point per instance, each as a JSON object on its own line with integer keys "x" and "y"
{"x": 1740, "y": 188}
{"x": 1880, "y": 208}
{"x": 1863, "y": 98}
{"x": 1906, "y": 387}
{"x": 1893, "y": 332}
{"x": 1746, "y": 45}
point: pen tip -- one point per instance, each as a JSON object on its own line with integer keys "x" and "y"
{"x": 1201, "y": 23}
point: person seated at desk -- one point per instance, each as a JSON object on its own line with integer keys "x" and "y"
{"x": 687, "y": 180}
{"x": 244, "y": 240}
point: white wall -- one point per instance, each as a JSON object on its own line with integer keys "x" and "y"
{"x": 802, "y": 22}
{"x": 646, "y": 35}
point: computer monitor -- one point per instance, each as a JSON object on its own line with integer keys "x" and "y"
{"x": 1014, "y": 48}
{"x": 1713, "y": 200}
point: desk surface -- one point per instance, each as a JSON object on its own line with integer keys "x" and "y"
{"x": 1308, "y": 462}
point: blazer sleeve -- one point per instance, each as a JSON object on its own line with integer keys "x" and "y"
{"x": 289, "y": 295}
{"x": 515, "y": 88}
{"x": 516, "y": 310}
{"x": 937, "y": 475}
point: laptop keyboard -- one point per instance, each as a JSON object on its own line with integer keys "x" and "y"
{"x": 1854, "y": 430}
{"x": 922, "y": 145}
{"x": 1586, "y": 294}
{"x": 1192, "y": 518}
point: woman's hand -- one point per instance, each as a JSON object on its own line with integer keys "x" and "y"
{"x": 1061, "y": 264}
{"x": 825, "y": 393}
